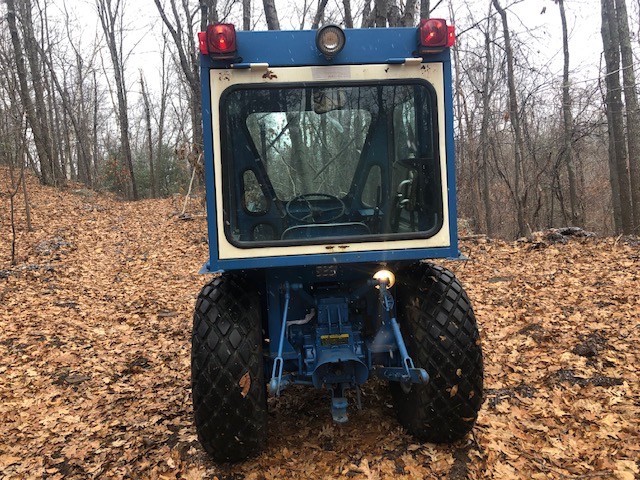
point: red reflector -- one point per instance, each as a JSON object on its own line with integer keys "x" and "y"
{"x": 202, "y": 42}
{"x": 221, "y": 40}
{"x": 451, "y": 36}
{"x": 434, "y": 32}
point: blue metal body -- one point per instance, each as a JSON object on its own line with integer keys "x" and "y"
{"x": 327, "y": 322}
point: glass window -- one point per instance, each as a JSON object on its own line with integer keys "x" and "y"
{"x": 310, "y": 152}
{"x": 325, "y": 164}
{"x": 371, "y": 194}
{"x": 254, "y": 199}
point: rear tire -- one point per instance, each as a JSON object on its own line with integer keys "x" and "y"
{"x": 441, "y": 334}
{"x": 227, "y": 374}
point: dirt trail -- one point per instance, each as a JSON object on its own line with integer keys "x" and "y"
{"x": 94, "y": 360}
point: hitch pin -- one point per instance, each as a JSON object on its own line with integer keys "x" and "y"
{"x": 276, "y": 372}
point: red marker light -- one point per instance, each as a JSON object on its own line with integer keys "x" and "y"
{"x": 451, "y": 36}
{"x": 434, "y": 33}
{"x": 221, "y": 40}
{"x": 202, "y": 42}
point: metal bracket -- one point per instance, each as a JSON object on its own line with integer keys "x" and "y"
{"x": 404, "y": 61}
{"x": 251, "y": 66}
{"x": 399, "y": 374}
{"x": 278, "y": 363}
{"x": 339, "y": 405}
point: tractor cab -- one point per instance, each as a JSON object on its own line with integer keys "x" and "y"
{"x": 328, "y": 142}
{"x": 329, "y": 170}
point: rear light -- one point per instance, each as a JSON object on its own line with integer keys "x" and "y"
{"x": 219, "y": 40}
{"x": 330, "y": 40}
{"x": 435, "y": 33}
{"x": 202, "y": 42}
{"x": 451, "y": 36}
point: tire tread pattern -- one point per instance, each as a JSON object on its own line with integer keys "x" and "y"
{"x": 226, "y": 353}
{"x": 439, "y": 328}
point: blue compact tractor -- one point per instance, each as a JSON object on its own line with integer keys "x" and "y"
{"x": 329, "y": 168}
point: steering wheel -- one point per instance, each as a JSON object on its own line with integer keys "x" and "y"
{"x": 304, "y": 209}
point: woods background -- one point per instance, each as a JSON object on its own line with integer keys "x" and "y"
{"x": 539, "y": 144}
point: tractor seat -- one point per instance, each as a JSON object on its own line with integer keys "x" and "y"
{"x": 321, "y": 230}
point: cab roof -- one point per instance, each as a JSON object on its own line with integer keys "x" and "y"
{"x": 281, "y": 48}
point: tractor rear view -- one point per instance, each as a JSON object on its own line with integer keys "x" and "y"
{"x": 329, "y": 167}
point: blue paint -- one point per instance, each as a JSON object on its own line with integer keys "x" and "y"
{"x": 298, "y": 48}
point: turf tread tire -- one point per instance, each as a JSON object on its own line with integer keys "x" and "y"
{"x": 439, "y": 328}
{"x": 227, "y": 374}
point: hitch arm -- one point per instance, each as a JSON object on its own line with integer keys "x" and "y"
{"x": 408, "y": 373}
{"x": 276, "y": 372}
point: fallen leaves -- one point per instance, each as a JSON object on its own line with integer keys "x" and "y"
{"x": 245, "y": 384}
{"x": 94, "y": 360}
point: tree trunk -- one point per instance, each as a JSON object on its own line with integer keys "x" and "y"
{"x": 246, "y": 14}
{"x": 613, "y": 175}
{"x": 189, "y": 63}
{"x": 322, "y": 4}
{"x": 611, "y": 43}
{"x": 380, "y": 9}
{"x": 577, "y": 207}
{"x": 409, "y": 16}
{"x": 393, "y": 14}
{"x": 484, "y": 132}
{"x": 39, "y": 135}
{"x": 147, "y": 116}
{"x": 208, "y": 13}
{"x": 94, "y": 136}
{"x": 368, "y": 16}
{"x": 348, "y": 17}
{"x": 631, "y": 104}
{"x": 164, "y": 95}
{"x": 108, "y": 18}
{"x": 271, "y": 14}
{"x": 520, "y": 197}
{"x": 424, "y": 9}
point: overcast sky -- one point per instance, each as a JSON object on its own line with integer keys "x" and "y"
{"x": 583, "y": 17}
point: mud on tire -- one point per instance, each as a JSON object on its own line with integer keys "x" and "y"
{"x": 227, "y": 374}
{"x": 441, "y": 334}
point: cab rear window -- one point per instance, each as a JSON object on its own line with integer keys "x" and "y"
{"x": 318, "y": 164}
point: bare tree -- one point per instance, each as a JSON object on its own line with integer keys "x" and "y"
{"x": 36, "y": 114}
{"x": 147, "y": 115}
{"x": 484, "y": 127}
{"x": 618, "y": 153}
{"x": 514, "y": 118}
{"x": 180, "y": 28}
{"x": 110, "y": 13}
{"x": 577, "y": 207}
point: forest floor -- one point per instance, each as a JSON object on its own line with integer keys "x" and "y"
{"x": 95, "y": 323}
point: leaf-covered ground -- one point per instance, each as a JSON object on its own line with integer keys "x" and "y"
{"x": 94, "y": 359}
